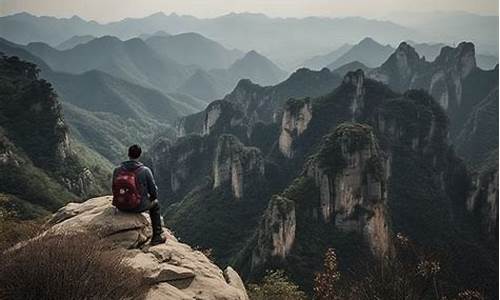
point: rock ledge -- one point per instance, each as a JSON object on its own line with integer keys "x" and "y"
{"x": 174, "y": 270}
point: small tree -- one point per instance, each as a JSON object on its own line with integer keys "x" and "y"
{"x": 326, "y": 282}
{"x": 275, "y": 286}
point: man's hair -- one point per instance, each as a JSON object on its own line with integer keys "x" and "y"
{"x": 134, "y": 151}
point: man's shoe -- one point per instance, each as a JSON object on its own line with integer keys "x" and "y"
{"x": 158, "y": 239}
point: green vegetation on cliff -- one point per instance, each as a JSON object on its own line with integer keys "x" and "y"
{"x": 39, "y": 168}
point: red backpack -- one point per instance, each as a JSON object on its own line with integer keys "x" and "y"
{"x": 127, "y": 189}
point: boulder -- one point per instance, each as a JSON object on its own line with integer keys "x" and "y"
{"x": 173, "y": 270}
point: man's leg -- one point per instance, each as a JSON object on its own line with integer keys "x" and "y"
{"x": 155, "y": 215}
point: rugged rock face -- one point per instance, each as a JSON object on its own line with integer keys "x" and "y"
{"x": 250, "y": 103}
{"x": 294, "y": 122}
{"x": 479, "y": 135}
{"x": 483, "y": 202}
{"x": 234, "y": 162}
{"x": 174, "y": 270}
{"x": 35, "y": 147}
{"x": 350, "y": 172}
{"x": 356, "y": 79}
{"x": 443, "y": 78}
{"x": 276, "y": 233}
{"x": 176, "y": 165}
{"x": 219, "y": 117}
{"x": 212, "y": 115}
{"x": 453, "y": 79}
{"x": 453, "y": 66}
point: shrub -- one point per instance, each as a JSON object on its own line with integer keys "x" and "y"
{"x": 412, "y": 274}
{"x": 68, "y": 266}
{"x": 275, "y": 286}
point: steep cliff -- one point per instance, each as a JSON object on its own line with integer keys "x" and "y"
{"x": 235, "y": 164}
{"x": 349, "y": 171}
{"x": 478, "y": 144}
{"x": 453, "y": 78}
{"x": 296, "y": 117}
{"x": 276, "y": 233}
{"x": 250, "y": 103}
{"x": 35, "y": 142}
{"x": 482, "y": 202}
{"x": 349, "y": 174}
{"x": 179, "y": 166}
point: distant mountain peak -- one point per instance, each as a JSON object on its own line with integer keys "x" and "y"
{"x": 368, "y": 40}
{"x": 252, "y": 57}
{"x": 107, "y": 38}
{"x": 407, "y": 50}
{"x": 159, "y": 14}
{"x": 76, "y": 18}
{"x": 253, "y": 53}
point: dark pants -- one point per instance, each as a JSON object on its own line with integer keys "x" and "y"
{"x": 155, "y": 215}
{"x": 153, "y": 207}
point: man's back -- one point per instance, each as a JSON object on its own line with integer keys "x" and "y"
{"x": 145, "y": 180}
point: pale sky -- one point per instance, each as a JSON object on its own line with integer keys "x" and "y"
{"x": 112, "y": 10}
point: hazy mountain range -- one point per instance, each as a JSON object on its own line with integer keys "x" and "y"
{"x": 261, "y": 31}
{"x": 453, "y": 27}
{"x": 371, "y": 53}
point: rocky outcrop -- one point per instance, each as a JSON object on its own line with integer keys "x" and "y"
{"x": 478, "y": 137}
{"x": 276, "y": 232}
{"x": 349, "y": 171}
{"x": 356, "y": 79}
{"x": 452, "y": 66}
{"x": 173, "y": 270}
{"x": 443, "y": 78}
{"x": 235, "y": 164}
{"x": 296, "y": 117}
{"x": 176, "y": 165}
{"x": 212, "y": 114}
{"x": 483, "y": 202}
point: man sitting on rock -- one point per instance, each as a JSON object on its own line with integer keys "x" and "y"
{"x": 134, "y": 190}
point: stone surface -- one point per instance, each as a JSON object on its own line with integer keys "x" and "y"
{"x": 296, "y": 117}
{"x": 276, "y": 233}
{"x": 353, "y": 191}
{"x": 483, "y": 202}
{"x": 174, "y": 270}
{"x": 234, "y": 163}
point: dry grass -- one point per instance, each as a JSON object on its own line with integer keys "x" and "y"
{"x": 13, "y": 230}
{"x": 70, "y": 267}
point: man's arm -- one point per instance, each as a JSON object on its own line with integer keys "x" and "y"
{"x": 151, "y": 185}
